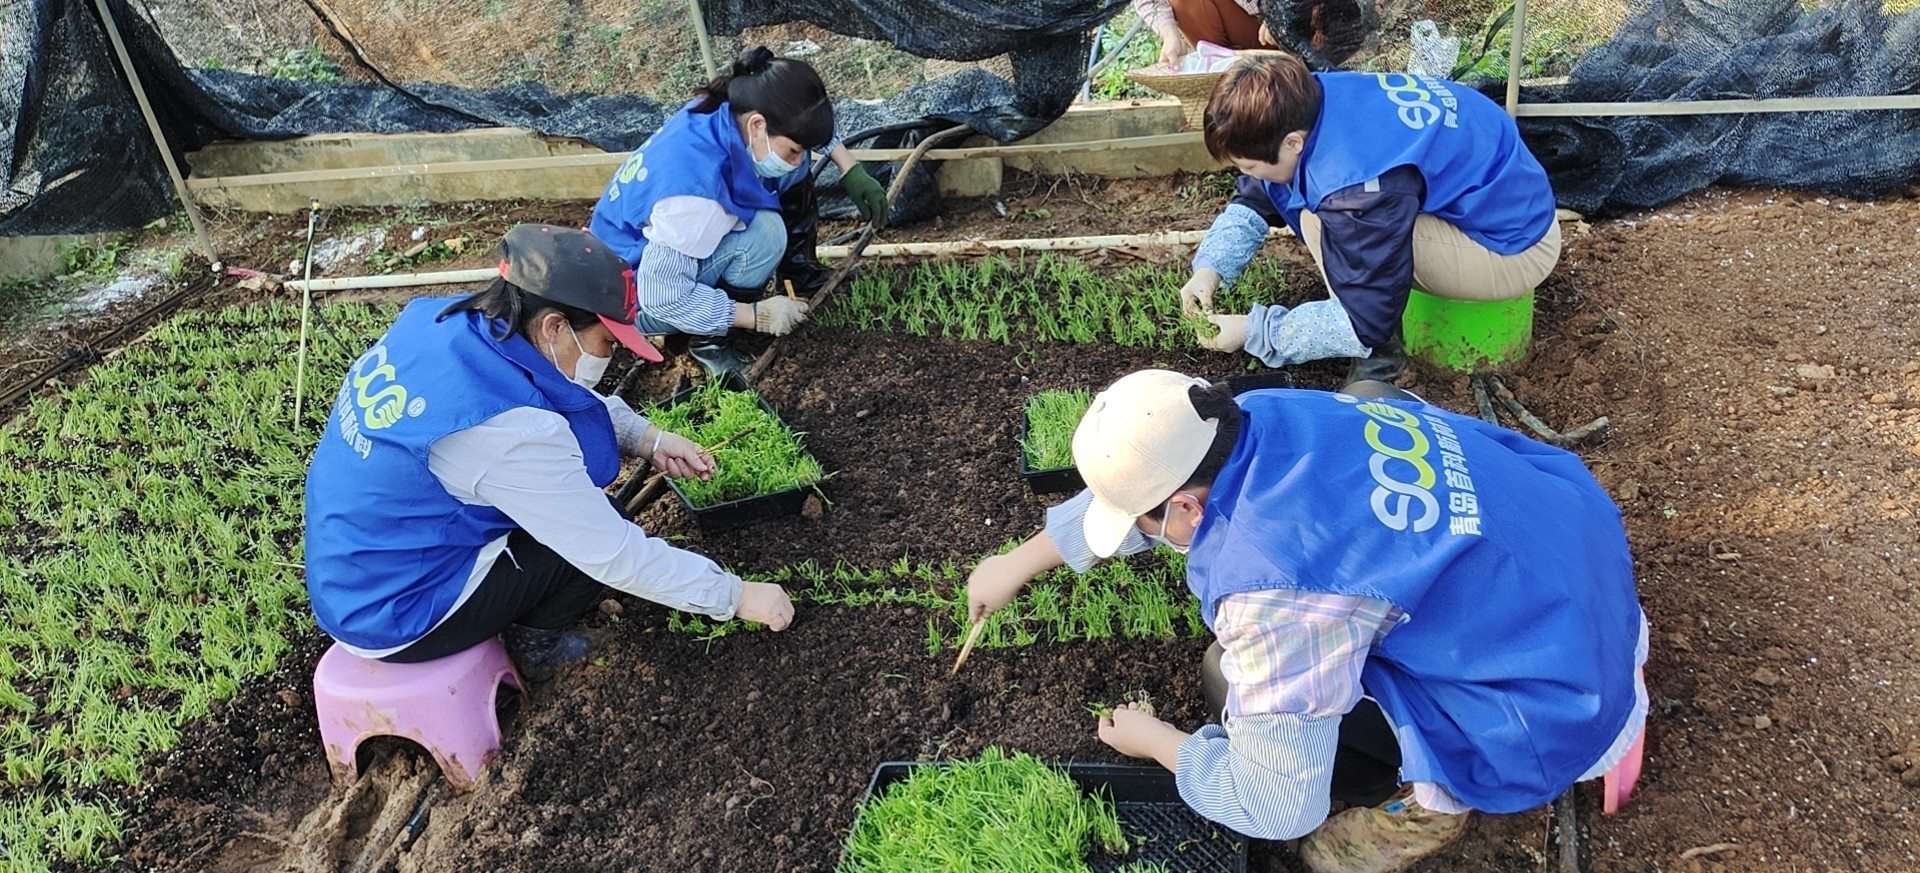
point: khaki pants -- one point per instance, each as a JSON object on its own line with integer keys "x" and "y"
{"x": 1448, "y": 263}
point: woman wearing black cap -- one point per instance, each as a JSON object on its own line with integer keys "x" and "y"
{"x": 720, "y": 196}
{"x": 458, "y": 491}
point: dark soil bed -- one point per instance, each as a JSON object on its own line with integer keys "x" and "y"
{"x": 1756, "y": 354}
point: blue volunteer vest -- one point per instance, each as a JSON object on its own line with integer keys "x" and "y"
{"x": 1513, "y": 671}
{"x": 1480, "y": 177}
{"x": 388, "y": 549}
{"x": 692, "y": 155}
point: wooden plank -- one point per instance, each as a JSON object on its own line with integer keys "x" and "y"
{"x": 1719, "y": 107}
{"x": 611, "y": 160}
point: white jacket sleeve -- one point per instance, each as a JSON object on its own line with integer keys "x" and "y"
{"x": 526, "y": 463}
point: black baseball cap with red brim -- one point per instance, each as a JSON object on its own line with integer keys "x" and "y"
{"x": 571, "y": 266}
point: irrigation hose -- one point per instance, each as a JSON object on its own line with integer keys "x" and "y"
{"x": 1138, "y": 24}
{"x": 80, "y": 356}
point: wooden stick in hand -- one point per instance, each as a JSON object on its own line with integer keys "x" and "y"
{"x": 659, "y": 480}
{"x": 966, "y": 648}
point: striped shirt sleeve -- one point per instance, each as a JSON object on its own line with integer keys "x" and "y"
{"x": 1156, "y": 13}
{"x": 1292, "y": 662}
{"x": 1066, "y": 528}
{"x": 669, "y": 291}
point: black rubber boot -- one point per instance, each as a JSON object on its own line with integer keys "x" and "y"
{"x": 1386, "y": 364}
{"x": 718, "y": 357}
{"x": 801, "y": 212}
{"x": 539, "y": 654}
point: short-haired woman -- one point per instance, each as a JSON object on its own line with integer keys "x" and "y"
{"x": 1392, "y": 180}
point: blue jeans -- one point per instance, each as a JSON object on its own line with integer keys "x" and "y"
{"x": 744, "y": 259}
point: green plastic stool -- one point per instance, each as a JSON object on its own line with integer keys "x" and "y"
{"x": 1467, "y": 336}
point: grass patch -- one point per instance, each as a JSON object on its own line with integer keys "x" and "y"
{"x": 763, "y": 457}
{"x": 1051, "y": 418}
{"x": 1045, "y": 299}
{"x": 999, "y": 812}
{"x": 150, "y": 544}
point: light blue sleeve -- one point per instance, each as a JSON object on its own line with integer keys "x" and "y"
{"x": 1267, "y": 776}
{"x": 1065, "y": 526}
{"x": 1231, "y": 243}
{"x": 1279, "y": 336}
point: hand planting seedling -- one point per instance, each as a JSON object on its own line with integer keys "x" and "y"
{"x": 1139, "y": 698}
{"x": 999, "y": 812}
{"x": 764, "y": 456}
{"x": 1051, "y": 418}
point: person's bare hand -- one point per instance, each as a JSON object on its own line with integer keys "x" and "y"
{"x": 1173, "y": 46}
{"x": 681, "y": 458}
{"x": 1133, "y": 730}
{"x": 767, "y": 604}
{"x": 992, "y": 585}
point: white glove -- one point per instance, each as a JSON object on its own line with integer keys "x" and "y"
{"x": 778, "y": 316}
{"x": 765, "y": 603}
{"x": 1232, "y": 335}
{"x": 1196, "y": 297}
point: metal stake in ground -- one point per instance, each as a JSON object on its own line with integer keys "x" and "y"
{"x": 306, "y": 311}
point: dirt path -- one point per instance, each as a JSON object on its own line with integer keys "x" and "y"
{"x": 1757, "y": 357}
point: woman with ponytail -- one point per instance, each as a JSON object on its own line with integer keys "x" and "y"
{"x": 698, "y": 209}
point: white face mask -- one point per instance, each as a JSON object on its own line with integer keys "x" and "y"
{"x": 772, "y": 166}
{"x": 1166, "y": 513}
{"x": 588, "y": 369}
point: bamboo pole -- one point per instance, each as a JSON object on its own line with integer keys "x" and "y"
{"x": 1513, "y": 56}
{"x": 1722, "y": 107}
{"x": 306, "y": 312}
{"x": 706, "y": 39}
{"x": 884, "y": 250}
{"x": 200, "y": 236}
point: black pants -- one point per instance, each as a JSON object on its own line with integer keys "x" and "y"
{"x": 528, "y": 585}
{"x": 1366, "y": 763}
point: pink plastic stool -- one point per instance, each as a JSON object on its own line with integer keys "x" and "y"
{"x": 1616, "y": 785}
{"x": 445, "y": 705}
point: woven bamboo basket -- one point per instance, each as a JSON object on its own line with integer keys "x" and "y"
{"x": 1191, "y": 89}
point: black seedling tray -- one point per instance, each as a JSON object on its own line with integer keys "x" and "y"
{"x": 730, "y": 514}
{"x": 1051, "y": 481}
{"x": 1159, "y": 825}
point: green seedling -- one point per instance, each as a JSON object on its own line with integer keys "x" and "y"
{"x": 1140, "y": 697}
{"x": 1051, "y": 418}
{"x": 149, "y": 563}
{"x": 764, "y": 456}
{"x": 999, "y": 812}
{"x": 1047, "y": 299}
